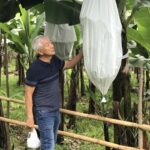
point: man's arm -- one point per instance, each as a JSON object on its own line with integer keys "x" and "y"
{"x": 29, "y": 105}
{"x": 71, "y": 63}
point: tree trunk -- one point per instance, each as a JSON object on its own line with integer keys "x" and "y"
{"x": 4, "y": 134}
{"x": 82, "y": 79}
{"x": 20, "y": 71}
{"x": 7, "y": 75}
{"x": 146, "y": 144}
{"x": 121, "y": 91}
{"x": 106, "y": 134}
{"x": 1, "y": 52}
{"x": 60, "y": 138}
{"x": 106, "y": 128}
{"x": 72, "y": 97}
{"x": 121, "y": 88}
{"x": 147, "y": 80}
{"x": 7, "y": 86}
{"x": 91, "y": 109}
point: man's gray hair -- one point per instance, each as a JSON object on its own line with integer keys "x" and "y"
{"x": 37, "y": 42}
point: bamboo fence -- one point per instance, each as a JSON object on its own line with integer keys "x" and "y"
{"x": 81, "y": 137}
{"x": 95, "y": 117}
{"x": 76, "y": 136}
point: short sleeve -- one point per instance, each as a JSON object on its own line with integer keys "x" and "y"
{"x": 31, "y": 77}
{"x": 59, "y": 63}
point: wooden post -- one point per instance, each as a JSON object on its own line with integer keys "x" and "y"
{"x": 1, "y": 58}
{"x": 140, "y": 114}
{"x": 4, "y": 133}
{"x": 7, "y": 74}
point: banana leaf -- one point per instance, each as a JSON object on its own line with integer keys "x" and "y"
{"x": 140, "y": 50}
{"x": 8, "y": 9}
{"x": 61, "y": 12}
{"x": 15, "y": 38}
{"x": 30, "y": 3}
{"x": 57, "y": 12}
{"x": 142, "y": 35}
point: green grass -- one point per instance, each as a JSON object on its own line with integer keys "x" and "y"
{"x": 16, "y": 91}
{"x": 87, "y": 127}
{"x": 17, "y": 111}
{"x": 18, "y": 134}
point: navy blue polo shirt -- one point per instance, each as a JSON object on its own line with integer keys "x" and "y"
{"x": 45, "y": 77}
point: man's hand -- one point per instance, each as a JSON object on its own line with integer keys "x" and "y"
{"x": 71, "y": 63}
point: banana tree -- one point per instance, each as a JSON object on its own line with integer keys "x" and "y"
{"x": 141, "y": 34}
{"x": 121, "y": 86}
{"x": 21, "y": 30}
{"x": 13, "y": 7}
{"x": 69, "y": 10}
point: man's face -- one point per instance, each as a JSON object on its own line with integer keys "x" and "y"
{"x": 48, "y": 47}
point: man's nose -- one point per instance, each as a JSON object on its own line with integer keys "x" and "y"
{"x": 52, "y": 46}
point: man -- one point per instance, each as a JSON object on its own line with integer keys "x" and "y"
{"x": 42, "y": 91}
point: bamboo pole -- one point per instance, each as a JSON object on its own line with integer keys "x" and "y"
{"x": 77, "y": 136}
{"x": 95, "y": 117}
{"x": 96, "y": 141}
{"x": 114, "y": 121}
{"x": 7, "y": 74}
{"x": 12, "y": 100}
{"x": 140, "y": 114}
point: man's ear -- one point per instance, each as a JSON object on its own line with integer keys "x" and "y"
{"x": 40, "y": 52}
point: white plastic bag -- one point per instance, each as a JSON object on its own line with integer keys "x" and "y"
{"x": 102, "y": 46}
{"x": 33, "y": 140}
{"x": 63, "y": 50}
{"x": 63, "y": 36}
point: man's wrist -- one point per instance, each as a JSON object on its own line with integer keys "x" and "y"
{"x": 30, "y": 116}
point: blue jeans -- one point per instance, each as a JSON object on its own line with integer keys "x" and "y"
{"x": 48, "y": 124}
